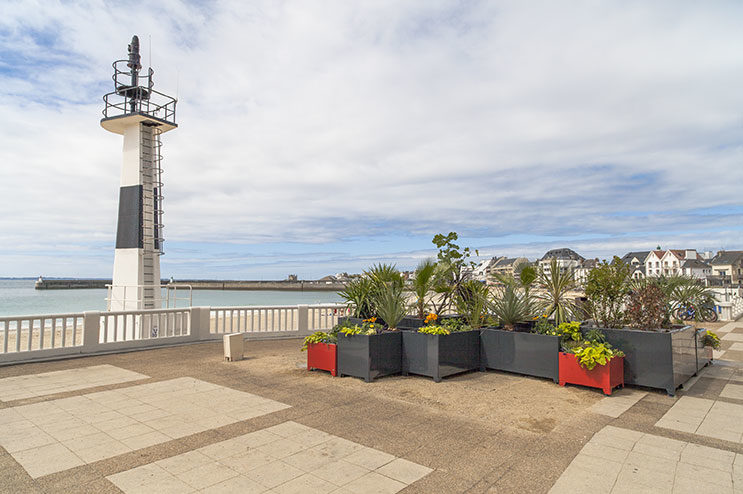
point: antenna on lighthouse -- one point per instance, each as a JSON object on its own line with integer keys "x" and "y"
{"x": 139, "y": 113}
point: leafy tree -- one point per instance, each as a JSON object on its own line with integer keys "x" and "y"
{"x": 607, "y": 289}
{"x": 450, "y": 272}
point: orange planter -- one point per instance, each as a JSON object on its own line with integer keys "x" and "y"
{"x": 322, "y": 356}
{"x": 605, "y": 377}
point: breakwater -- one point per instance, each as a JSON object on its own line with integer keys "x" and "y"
{"x": 281, "y": 285}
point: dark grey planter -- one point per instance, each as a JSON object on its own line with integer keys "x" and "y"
{"x": 410, "y": 322}
{"x": 370, "y": 356}
{"x": 530, "y": 354}
{"x": 440, "y": 355}
{"x": 654, "y": 359}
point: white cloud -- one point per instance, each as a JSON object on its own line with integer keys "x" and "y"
{"x": 308, "y": 122}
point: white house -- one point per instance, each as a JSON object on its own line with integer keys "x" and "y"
{"x": 653, "y": 263}
{"x": 581, "y": 272}
{"x": 567, "y": 260}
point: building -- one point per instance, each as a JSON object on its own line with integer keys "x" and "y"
{"x": 635, "y": 258}
{"x": 567, "y": 260}
{"x": 653, "y": 263}
{"x": 482, "y": 271}
{"x": 728, "y": 265}
{"x": 696, "y": 269}
{"x": 508, "y": 266}
{"x": 581, "y": 272}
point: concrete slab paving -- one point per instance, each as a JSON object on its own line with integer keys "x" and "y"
{"x": 642, "y": 462}
{"x": 47, "y": 383}
{"x": 60, "y": 434}
{"x": 619, "y": 402}
{"x": 324, "y": 466}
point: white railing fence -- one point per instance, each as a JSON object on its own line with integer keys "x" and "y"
{"x": 39, "y": 337}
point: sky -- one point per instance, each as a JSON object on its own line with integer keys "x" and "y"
{"x": 324, "y": 136}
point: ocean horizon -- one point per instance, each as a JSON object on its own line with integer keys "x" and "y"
{"x": 18, "y": 297}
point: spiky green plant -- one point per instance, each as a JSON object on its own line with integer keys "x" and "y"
{"x": 556, "y": 286}
{"x": 389, "y": 304}
{"x": 423, "y": 281}
{"x": 358, "y": 295}
{"x": 471, "y": 301}
{"x": 510, "y": 305}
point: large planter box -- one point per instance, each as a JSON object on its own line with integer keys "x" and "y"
{"x": 654, "y": 359}
{"x": 438, "y": 356}
{"x": 370, "y": 356}
{"x": 410, "y": 322}
{"x": 322, "y": 356}
{"x": 523, "y": 353}
{"x": 605, "y": 377}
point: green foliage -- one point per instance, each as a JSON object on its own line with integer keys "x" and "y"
{"x": 319, "y": 337}
{"x": 689, "y": 292}
{"x": 356, "y": 329}
{"x": 591, "y": 353}
{"x": 528, "y": 275}
{"x": 543, "y": 325}
{"x": 556, "y": 286}
{"x": 449, "y": 273}
{"x": 384, "y": 274}
{"x": 455, "y": 324}
{"x": 647, "y": 307}
{"x": 607, "y": 289}
{"x": 434, "y": 330}
{"x": 570, "y": 331}
{"x": 423, "y": 282}
{"x": 595, "y": 335}
{"x": 711, "y": 339}
{"x": 471, "y": 301}
{"x": 389, "y": 304}
{"x": 511, "y": 306}
{"x": 357, "y": 294}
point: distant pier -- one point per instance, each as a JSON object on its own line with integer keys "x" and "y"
{"x": 284, "y": 285}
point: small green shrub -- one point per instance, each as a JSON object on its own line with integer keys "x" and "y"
{"x": 433, "y": 330}
{"x": 319, "y": 337}
{"x": 543, "y": 325}
{"x": 455, "y": 325}
{"x": 591, "y": 354}
{"x": 711, "y": 339}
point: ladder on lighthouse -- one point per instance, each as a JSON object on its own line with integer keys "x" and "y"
{"x": 151, "y": 214}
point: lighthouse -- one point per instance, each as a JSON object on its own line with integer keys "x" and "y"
{"x": 141, "y": 115}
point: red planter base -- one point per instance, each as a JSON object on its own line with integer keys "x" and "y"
{"x": 322, "y": 356}
{"x": 605, "y": 377}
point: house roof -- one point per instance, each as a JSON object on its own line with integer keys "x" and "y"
{"x": 506, "y": 261}
{"x": 590, "y": 263}
{"x": 640, "y": 255}
{"x": 563, "y": 253}
{"x": 725, "y": 257}
{"x": 694, "y": 263}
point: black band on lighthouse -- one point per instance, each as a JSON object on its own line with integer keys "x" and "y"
{"x": 129, "y": 231}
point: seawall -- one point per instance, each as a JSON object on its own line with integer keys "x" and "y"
{"x": 302, "y": 285}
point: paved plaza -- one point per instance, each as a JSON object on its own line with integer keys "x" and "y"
{"x": 181, "y": 420}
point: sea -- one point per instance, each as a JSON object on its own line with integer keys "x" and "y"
{"x": 18, "y": 297}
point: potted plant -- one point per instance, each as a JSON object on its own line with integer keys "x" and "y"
{"x": 451, "y": 346}
{"x": 659, "y": 354}
{"x": 532, "y": 353}
{"x": 594, "y": 363}
{"x": 370, "y": 350}
{"x": 322, "y": 349}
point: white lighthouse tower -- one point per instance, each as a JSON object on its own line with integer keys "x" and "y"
{"x": 140, "y": 114}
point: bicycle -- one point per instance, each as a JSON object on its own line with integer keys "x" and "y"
{"x": 707, "y": 313}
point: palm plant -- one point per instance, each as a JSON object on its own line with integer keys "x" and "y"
{"x": 423, "y": 282}
{"x": 555, "y": 288}
{"x": 357, "y": 294}
{"x": 690, "y": 293}
{"x": 382, "y": 274}
{"x": 511, "y": 306}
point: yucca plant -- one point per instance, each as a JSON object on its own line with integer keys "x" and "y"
{"x": 471, "y": 302}
{"x": 383, "y": 274}
{"x": 510, "y": 305}
{"x": 556, "y": 286}
{"x": 389, "y": 304}
{"x": 357, "y": 294}
{"x": 423, "y": 281}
